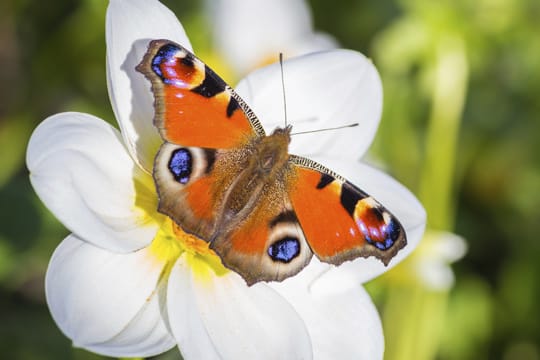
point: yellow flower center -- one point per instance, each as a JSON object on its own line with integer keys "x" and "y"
{"x": 171, "y": 242}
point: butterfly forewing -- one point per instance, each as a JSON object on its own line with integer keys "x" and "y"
{"x": 194, "y": 106}
{"x": 340, "y": 221}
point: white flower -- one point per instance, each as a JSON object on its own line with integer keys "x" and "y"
{"x": 439, "y": 249}
{"x": 252, "y": 33}
{"x": 127, "y": 282}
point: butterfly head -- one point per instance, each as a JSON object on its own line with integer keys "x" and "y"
{"x": 284, "y": 133}
{"x": 272, "y": 151}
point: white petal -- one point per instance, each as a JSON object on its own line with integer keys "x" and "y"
{"x": 130, "y": 26}
{"x": 440, "y": 248}
{"x": 435, "y": 274}
{"x": 447, "y": 246}
{"x": 342, "y": 325}
{"x": 246, "y": 32}
{"x": 397, "y": 199}
{"x": 315, "y": 42}
{"x": 105, "y": 302}
{"x": 323, "y": 90}
{"x": 220, "y": 317}
{"x": 84, "y": 175}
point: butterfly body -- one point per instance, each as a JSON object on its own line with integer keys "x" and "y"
{"x": 264, "y": 211}
{"x": 261, "y": 164}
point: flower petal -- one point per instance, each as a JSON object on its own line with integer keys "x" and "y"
{"x": 105, "y": 302}
{"x": 341, "y": 326}
{"x": 323, "y": 90}
{"x": 315, "y": 42}
{"x": 432, "y": 265}
{"x": 82, "y": 172}
{"x": 247, "y": 35}
{"x": 221, "y": 317}
{"x": 397, "y": 199}
{"x": 130, "y": 26}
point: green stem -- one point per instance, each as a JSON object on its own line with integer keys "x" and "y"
{"x": 419, "y": 322}
{"x": 413, "y": 315}
{"x": 436, "y": 184}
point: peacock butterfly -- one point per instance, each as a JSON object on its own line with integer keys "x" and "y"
{"x": 264, "y": 211}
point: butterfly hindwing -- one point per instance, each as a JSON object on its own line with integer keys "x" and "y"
{"x": 269, "y": 244}
{"x": 199, "y": 189}
{"x": 193, "y": 105}
{"x": 340, "y": 221}
{"x": 193, "y": 184}
{"x": 184, "y": 181}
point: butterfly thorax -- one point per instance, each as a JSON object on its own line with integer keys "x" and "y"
{"x": 266, "y": 164}
{"x": 271, "y": 152}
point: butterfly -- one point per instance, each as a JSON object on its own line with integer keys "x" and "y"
{"x": 263, "y": 211}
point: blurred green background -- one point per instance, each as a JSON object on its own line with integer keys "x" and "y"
{"x": 460, "y": 128}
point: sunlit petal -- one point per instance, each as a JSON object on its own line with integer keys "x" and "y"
{"x": 130, "y": 26}
{"x": 248, "y": 33}
{"x": 82, "y": 172}
{"x": 343, "y": 325}
{"x": 215, "y": 316}
{"x": 105, "y": 302}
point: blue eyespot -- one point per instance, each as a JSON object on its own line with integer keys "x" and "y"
{"x": 382, "y": 238}
{"x": 180, "y": 165}
{"x": 284, "y": 250}
{"x": 164, "y": 54}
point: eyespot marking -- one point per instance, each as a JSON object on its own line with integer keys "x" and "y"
{"x": 164, "y": 64}
{"x": 181, "y": 165}
{"x": 188, "y": 60}
{"x": 164, "y": 54}
{"x": 284, "y": 250}
{"x": 378, "y": 233}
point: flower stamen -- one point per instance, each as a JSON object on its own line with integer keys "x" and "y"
{"x": 171, "y": 242}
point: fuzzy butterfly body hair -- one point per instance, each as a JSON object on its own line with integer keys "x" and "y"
{"x": 264, "y": 211}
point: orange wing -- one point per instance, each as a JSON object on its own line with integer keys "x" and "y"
{"x": 201, "y": 120}
{"x": 194, "y": 106}
{"x": 269, "y": 245}
{"x": 340, "y": 221}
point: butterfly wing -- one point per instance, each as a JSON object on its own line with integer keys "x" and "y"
{"x": 186, "y": 185}
{"x": 193, "y": 105}
{"x": 202, "y": 121}
{"x": 269, "y": 244}
{"x": 340, "y": 221}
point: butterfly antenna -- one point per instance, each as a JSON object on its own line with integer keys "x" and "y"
{"x": 283, "y": 87}
{"x": 326, "y": 129}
